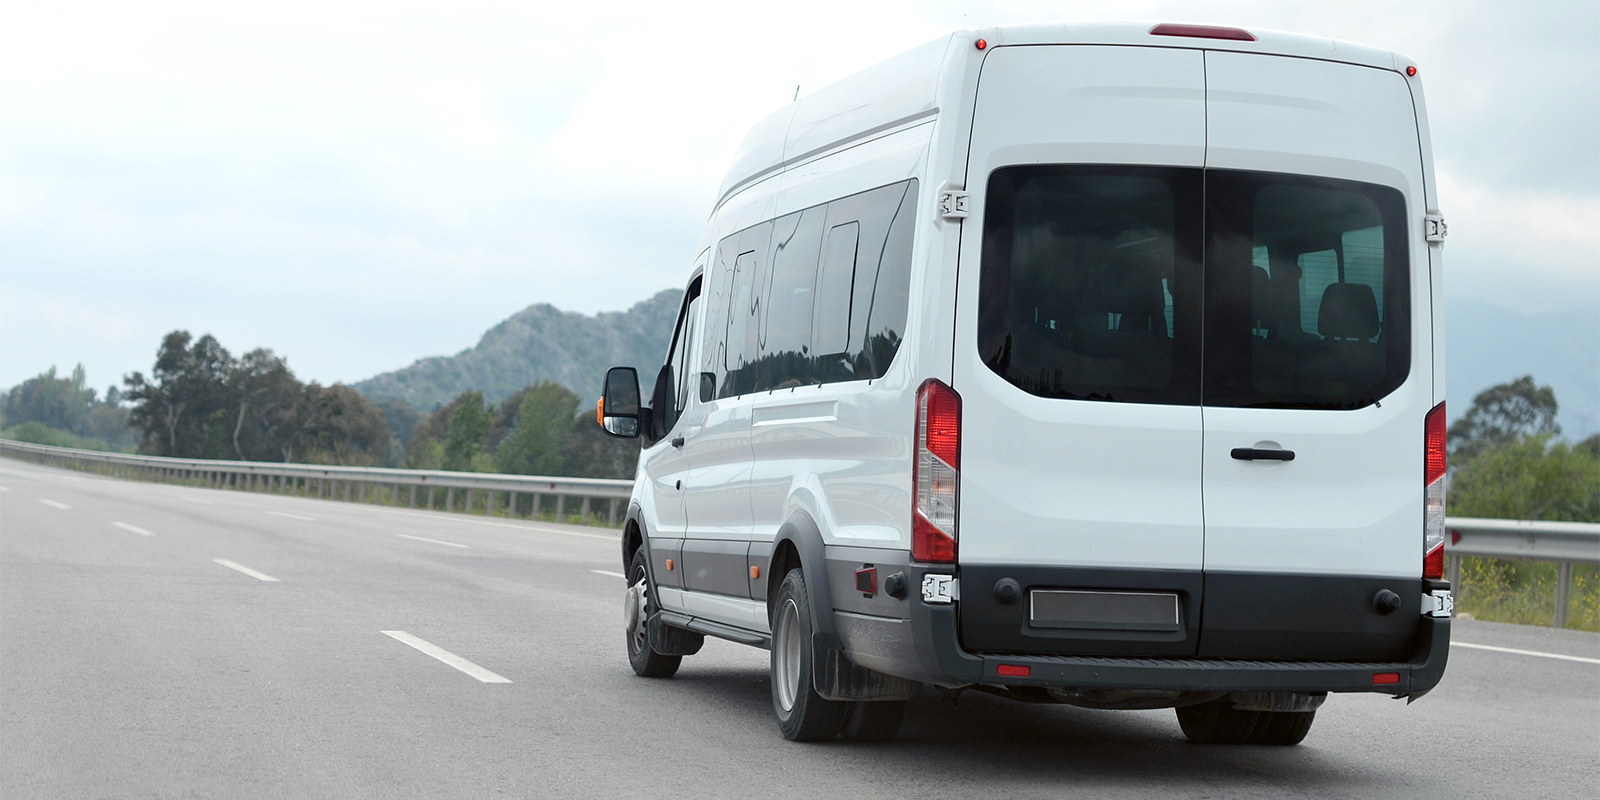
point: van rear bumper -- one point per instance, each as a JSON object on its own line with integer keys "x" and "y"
{"x": 935, "y": 630}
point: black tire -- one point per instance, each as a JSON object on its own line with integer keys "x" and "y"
{"x": 873, "y": 720}
{"x": 1283, "y": 728}
{"x": 803, "y": 715}
{"x": 1217, "y": 722}
{"x": 646, "y": 663}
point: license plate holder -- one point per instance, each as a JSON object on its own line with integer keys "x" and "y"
{"x": 1085, "y": 609}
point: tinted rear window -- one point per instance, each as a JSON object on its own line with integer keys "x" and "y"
{"x": 1307, "y": 296}
{"x": 1093, "y": 286}
{"x": 1091, "y": 282}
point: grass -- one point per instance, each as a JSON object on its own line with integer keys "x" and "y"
{"x": 1523, "y": 592}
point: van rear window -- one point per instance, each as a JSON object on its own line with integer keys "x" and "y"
{"x": 1090, "y": 285}
{"x": 1307, "y": 291}
{"x": 1093, "y": 284}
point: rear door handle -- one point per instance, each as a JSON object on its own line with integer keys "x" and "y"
{"x": 1252, "y": 454}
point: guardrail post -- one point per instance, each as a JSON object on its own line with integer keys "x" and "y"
{"x": 450, "y": 499}
{"x": 611, "y": 513}
{"x": 412, "y": 503}
{"x": 1563, "y": 593}
{"x": 586, "y": 510}
{"x": 561, "y": 507}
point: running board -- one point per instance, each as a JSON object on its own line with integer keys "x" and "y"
{"x": 717, "y": 629}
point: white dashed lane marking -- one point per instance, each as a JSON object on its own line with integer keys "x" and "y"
{"x": 131, "y": 528}
{"x": 604, "y": 572}
{"x": 432, "y": 541}
{"x": 292, "y": 516}
{"x": 446, "y": 656}
{"x": 54, "y": 504}
{"x": 260, "y": 576}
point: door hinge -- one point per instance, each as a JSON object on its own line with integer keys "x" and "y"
{"x": 1433, "y": 227}
{"x": 954, "y": 203}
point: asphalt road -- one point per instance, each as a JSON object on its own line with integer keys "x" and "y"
{"x": 134, "y": 663}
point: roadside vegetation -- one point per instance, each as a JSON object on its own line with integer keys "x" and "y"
{"x": 1508, "y": 462}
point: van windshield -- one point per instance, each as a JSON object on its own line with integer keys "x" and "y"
{"x": 1093, "y": 286}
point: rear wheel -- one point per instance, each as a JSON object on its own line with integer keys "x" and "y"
{"x": 803, "y": 715}
{"x": 873, "y": 720}
{"x": 1282, "y": 727}
{"x": 638, "y": 604}
{"x": 1217, "y": 722}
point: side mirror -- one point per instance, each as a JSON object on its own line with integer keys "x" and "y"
{"x": 619, "y": 403}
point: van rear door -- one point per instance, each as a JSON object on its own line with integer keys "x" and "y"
{"x": 1081, "y": 426}
{"x": 1317, "y": 343}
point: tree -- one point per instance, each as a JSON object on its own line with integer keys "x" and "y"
{"x": 186, "y": 388}
{"x": 60, "y": 403}
{"x": 344, "y": 428}
{"x": 1533, "y": 478}
{"x": 544, "y": 422}
{"x": 1503, "y": 414}
{"x": 468, "y": 424}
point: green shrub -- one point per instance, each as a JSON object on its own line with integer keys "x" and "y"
{"x": 40, "y": 433}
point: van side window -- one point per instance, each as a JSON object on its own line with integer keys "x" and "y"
{"x": 786, "y": 336}
{"x": 679, "y": 356}
{"x": 1089, "y": 287}
{"x": 830, "y": 335}
{"x": 1307, "y": 299}
{"x": 817, "y": 296}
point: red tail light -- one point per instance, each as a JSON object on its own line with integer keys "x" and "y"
{"x": 1433, "y": 470}
{"x": 936, "y": 474}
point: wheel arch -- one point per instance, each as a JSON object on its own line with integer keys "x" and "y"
{"x": 799, "y": 543}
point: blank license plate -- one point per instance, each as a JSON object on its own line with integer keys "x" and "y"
{"x": 1127, "y": 611}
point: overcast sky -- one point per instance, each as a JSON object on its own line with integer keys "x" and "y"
{"x": 358, "y": 185}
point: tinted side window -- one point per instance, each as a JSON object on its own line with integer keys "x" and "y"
{"x": 732, "y": 342}
{"x": 862, "y": 286}
{"x": 1090, "y": 283}
{"x": 1307, "y": 300}
{"x": 786, "y": 336}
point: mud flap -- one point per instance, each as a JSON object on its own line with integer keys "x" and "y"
{"x": 837, "y": 678}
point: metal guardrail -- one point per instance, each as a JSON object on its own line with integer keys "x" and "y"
{"x": 1565, "y": 543}
{"x": 483, "y": 490}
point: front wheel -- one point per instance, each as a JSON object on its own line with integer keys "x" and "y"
{"x": 637, "y": 606}
{"x": 803, "y": 715}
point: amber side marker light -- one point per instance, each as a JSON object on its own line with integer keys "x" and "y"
{"x": 1203, "y": 32}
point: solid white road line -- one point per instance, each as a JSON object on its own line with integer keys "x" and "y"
{"x": 260, "y": 576}
{"x": 612, "y": 574}
{"x": 54, "y": 504}
{"x": 131, "y": 528}
{"x": 446, "y": 656}
{"x": 292, "y": 516}
{"x": 1525, "y": 652}
{"x": 432, "y": 541}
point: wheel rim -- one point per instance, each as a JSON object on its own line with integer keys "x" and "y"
{"x": 786, "y": 655}
{"x": 637, "y": 635}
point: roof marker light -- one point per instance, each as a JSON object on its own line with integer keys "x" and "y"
{"x": 1411, "y": 71}
{"x": 1202, "y": 32}
{"x": 982, "y": 43}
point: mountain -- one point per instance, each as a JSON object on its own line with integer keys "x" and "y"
{"x": 1486, "y": 344}
{"x": 540, "y": 342}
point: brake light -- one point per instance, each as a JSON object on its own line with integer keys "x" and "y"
{"x": 936, "y": 474}
{"x": 1433, "y": 470}
{"x": 1202, "y": 32}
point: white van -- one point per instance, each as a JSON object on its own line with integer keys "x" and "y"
{"x": 1099, "y": 364}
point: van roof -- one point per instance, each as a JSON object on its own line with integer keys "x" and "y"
{"x": 904, "y": 90}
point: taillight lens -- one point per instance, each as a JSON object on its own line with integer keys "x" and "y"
{"x": 1433, "y": 464}
{"x": 936, "y": 474}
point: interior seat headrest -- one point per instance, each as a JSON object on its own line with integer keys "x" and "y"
{"x": 1348, "y": 311}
